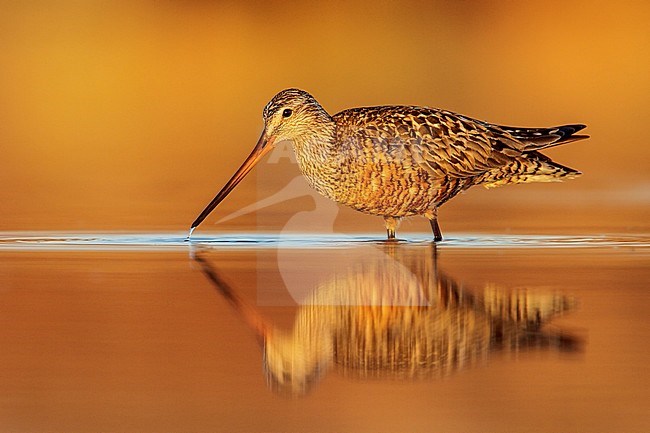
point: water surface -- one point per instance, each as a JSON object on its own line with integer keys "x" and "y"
{"x": 249, "y": 332}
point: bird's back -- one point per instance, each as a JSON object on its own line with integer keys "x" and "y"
{"x": 395, "y": 149}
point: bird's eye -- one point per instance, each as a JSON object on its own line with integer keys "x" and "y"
{"x": 287, "y": 112}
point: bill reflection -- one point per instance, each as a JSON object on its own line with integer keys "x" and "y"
{"x": 397, "y": 316}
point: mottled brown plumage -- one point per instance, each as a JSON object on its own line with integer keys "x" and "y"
{"x": 399, "y": 161}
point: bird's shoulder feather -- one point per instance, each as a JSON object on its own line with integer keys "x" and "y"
{"x": 439, "y": 141}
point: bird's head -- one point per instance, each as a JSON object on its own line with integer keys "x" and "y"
{"x": 292, "y": 114}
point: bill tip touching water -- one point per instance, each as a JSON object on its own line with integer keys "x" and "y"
{"x": 401, "y": 161}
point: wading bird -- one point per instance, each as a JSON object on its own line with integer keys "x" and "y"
{"x": 400, "y": 161}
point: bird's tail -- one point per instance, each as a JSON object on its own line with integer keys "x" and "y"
{"x": 526, "y": 168}
{"x": 530, "y": 139}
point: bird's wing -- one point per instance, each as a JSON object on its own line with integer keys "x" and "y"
{"x": 441, "y": 142}
{"x": 529, "y": 139}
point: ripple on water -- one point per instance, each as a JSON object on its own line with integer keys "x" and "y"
{"x": 165, "y": 241}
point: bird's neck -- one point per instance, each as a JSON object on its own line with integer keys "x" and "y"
{"x": 317, "y": 156}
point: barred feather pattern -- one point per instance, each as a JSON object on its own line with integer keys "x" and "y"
{"x": 402, "y": 161}
{"x": 398, "y": 161}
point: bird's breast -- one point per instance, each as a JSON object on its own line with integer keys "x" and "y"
{"x": 379, "y": 177}
{"x": 375, "y": 186}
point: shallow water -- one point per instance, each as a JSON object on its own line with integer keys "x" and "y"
{"x": 152, "y": 241}
{"x": 249, "y": 332}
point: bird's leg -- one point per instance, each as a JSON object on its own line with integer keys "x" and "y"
{"x": 391, "y": 226}
{"x": 437, "y": 234}
{"x": 432, "y": 215}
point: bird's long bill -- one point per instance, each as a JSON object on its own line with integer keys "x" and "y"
{"x": 264, "y": 144}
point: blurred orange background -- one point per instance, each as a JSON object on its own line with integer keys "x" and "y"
{"x": 131, "y": 115}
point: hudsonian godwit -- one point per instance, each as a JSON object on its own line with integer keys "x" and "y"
{"x": 400, "y": 161}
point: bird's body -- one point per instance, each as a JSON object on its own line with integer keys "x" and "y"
{"x": 400, "y": 161}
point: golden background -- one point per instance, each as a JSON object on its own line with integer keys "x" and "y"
{"x": 131, "y": 115}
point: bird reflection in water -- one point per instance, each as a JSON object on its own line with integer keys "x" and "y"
{"x": 397, "y": 316}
